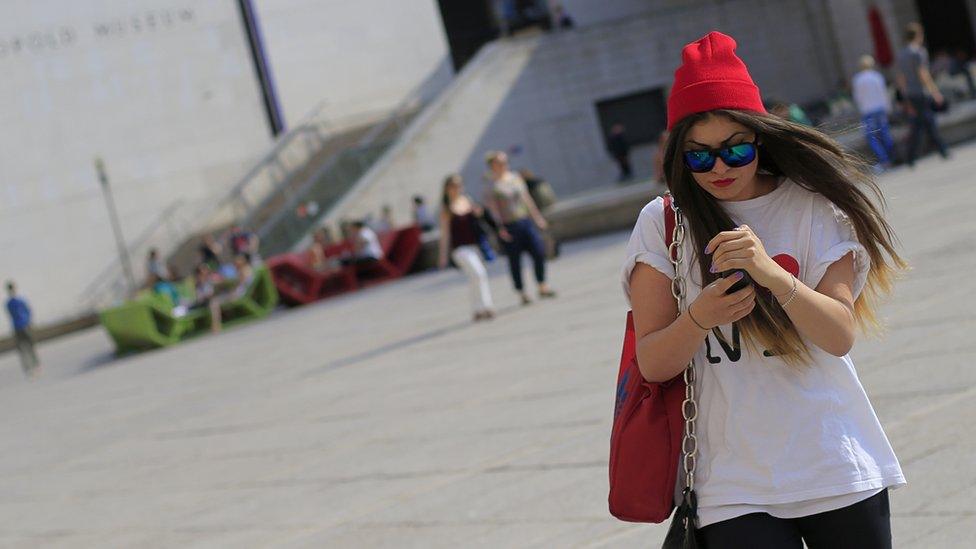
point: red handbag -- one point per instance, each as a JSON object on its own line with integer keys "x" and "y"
{"x": 645, "y": 443}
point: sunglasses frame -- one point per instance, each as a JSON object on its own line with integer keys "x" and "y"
{"x": 715, "y": 154}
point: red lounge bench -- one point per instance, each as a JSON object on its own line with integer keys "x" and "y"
{"x": 298, "y": 283}
{"x": 400, "y": 249}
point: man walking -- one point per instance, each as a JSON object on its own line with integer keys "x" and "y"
{"x": 20, "y": 317}
{"x": 871, "y": 97}
{"x": 918, "y": 89}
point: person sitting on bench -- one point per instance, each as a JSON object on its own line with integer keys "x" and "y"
{"x": 365, "y": 245}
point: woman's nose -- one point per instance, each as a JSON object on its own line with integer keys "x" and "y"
{"x": 720, "y": 167}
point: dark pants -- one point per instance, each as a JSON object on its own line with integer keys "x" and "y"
{"x": 864, "y": 525}
{"x": 525, "y": 238}
{"x": 623, "y": 161}
{"x": 358, "y": 260}
{"x": 25, "y": 348}
{"x": 924, "y": 120}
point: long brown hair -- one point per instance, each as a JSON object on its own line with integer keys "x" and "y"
{"x": 817, "y": 163}
{"x": 453, "y": 179}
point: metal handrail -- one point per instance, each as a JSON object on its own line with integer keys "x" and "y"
{"x": 302, "y": 127}
{"x": 410, "y": 103}
{"x": 94, "y": 290}
{"x": 106, "y": 284}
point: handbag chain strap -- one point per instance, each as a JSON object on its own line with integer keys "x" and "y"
{"x": 689, "y": 408}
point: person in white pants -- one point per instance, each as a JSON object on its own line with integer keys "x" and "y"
{"x": 458, "y": 221}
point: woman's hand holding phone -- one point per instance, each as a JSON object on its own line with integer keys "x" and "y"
{"x": 713, "y": 307}
{"x": 741, "y": 249}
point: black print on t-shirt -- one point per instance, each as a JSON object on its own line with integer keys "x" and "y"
{"x": 733, "y": 352}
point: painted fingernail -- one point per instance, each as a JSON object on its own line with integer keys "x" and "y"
{"x": 706, "y": 249}
{"x": 711, "y": 269}
{"x": 738, "y": 276}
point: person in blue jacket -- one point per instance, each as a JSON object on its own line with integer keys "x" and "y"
{"x": 20, "y": 317}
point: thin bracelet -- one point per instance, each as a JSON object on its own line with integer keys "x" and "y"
{"x": 793, "y": 289}
{"x": 692, "y": 317}
{"x": 792, "y": 295}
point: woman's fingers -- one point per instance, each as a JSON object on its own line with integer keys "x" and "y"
{"x": 730, "y": 245}
{"x": 743, "y": 312}
{"x": 722, "y": 285}
{"x": 739, "y": 296}
{"x": 731, "y": 260}
{"x": 723, "y": 236}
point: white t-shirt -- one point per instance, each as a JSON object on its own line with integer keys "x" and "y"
{"x": 370, "y": 244}
{"x": 870, "y": 93}
{"x": 788, "y": 441}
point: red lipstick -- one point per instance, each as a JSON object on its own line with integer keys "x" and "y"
{"x": 724, "y": 182}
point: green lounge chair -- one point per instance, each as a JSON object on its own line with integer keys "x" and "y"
{"x": 147, "y": 322}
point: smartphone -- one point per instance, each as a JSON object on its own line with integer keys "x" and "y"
{"x": 745, "y": 281}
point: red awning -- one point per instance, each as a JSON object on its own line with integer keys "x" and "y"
{"x": 879, "y": 35}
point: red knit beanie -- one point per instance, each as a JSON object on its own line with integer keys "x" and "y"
{"x": 711, "y": 77}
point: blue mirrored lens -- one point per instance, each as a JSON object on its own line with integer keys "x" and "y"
{"x": 738, "y": 155}
{"x": 699, "y": 161}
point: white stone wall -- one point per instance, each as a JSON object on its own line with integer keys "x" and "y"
{"x": 164, "y": 91}
{"x": 361, "y": 57}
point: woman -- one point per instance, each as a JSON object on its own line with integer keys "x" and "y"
{"x": 789, "y": 447}
{"x": 210, "y": 251}
{"x": 317, "y": 259}
{"x": 510, "y": 204}
{"x": 459, "y": 235}
{"x": 206, "y": 295}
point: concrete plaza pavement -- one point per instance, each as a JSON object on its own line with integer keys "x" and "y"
{"x": 386, "y": 419}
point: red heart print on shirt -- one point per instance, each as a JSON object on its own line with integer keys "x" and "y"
{"x": 788, "y": 264}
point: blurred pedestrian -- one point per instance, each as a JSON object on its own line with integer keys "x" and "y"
{"x": 205, "y": 294}
{"x": 345, "y": 229}
{"x": 155, "y": 265}
{"x": 459, "y": 235}
{"x": 789, "y": 448}
{"x": 507, "y": 198}
{"x": 317, "y": 259}
{"x": 559, "y": 17}
{"x": 386, "y": 219}
{"x": 871, "y": 96}
{"x": 243, "y": 279}
{"x": 365, "y": 245}
{"x": 20, "y": 318}
{"x": 243, "y": 242}
{"x": 919, "y": 92}
{"x": 210, "y": 251}
{"x": 165, "y": 288}
{"x": 619, "y": 148}
{"x": 421, "y": 216}
{"x": 506, "y": 15}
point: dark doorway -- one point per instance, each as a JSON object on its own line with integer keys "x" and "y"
{"x": 469, "y": 24}
{"x": 947, "y": 26}
{"x": 643, "y": 114}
